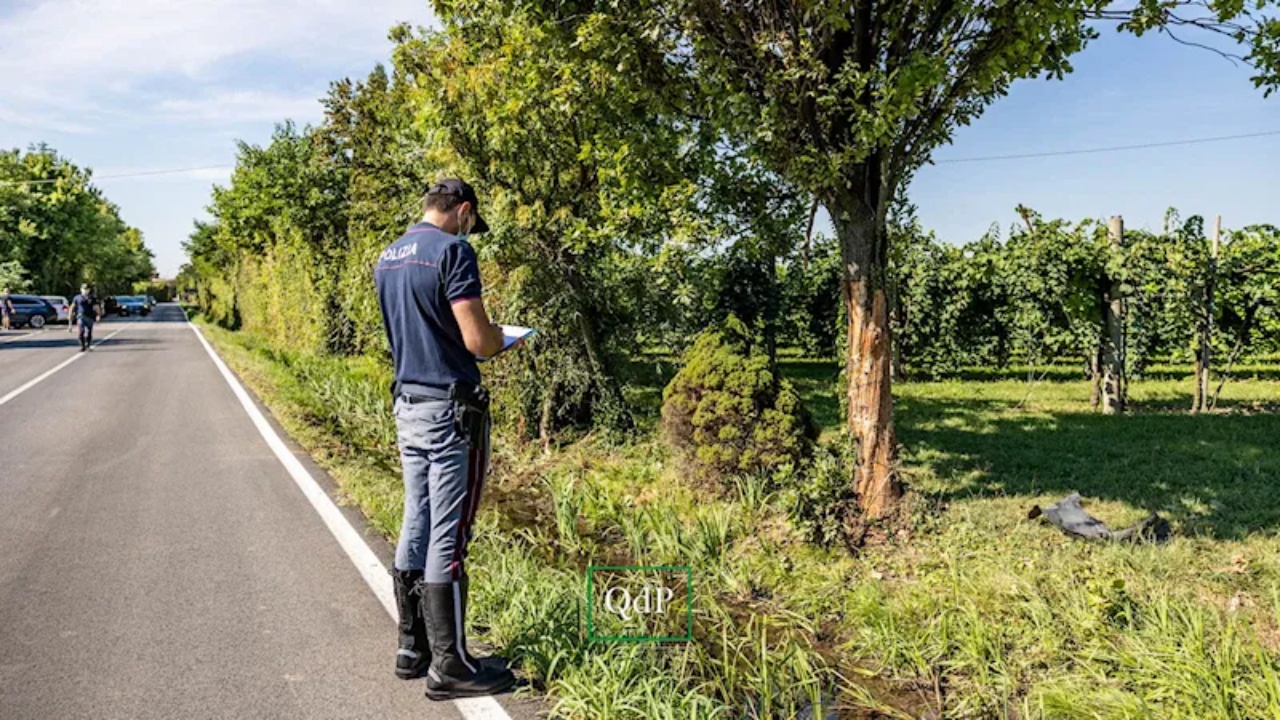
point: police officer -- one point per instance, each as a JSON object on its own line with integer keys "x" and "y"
{"x": 84, "y": 312}
{"x": 428, "y": 285}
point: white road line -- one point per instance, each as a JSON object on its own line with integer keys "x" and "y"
{"x": 55, "y": 369}
{"x": 367, "y": 563}
{"x": 370, "y": 567}
{"x": 481, "y": 708}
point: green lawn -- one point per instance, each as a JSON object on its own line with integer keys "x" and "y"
{"x": 974, "y": 612}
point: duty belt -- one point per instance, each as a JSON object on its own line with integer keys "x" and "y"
{"x": 470, "y": 404}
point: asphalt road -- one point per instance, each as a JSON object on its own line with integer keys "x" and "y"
{"x": 157, "y": 560}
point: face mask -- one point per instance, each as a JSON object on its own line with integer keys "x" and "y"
{"x": 464, "y": 234}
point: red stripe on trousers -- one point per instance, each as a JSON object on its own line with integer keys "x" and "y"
{"x": 477, "y": 468}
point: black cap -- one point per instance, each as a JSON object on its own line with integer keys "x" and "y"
{"x": 460, "y": 189}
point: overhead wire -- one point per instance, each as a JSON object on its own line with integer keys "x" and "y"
{"x": 140, "y": 173}
{"x": 1113, "y": 148}
{"x": 944, "y": 161}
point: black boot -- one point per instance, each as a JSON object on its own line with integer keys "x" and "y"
{"x": 414, "y": 656}
{"x": 454, "y": 673}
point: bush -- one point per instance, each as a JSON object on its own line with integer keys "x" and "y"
{"x": 820, "y": 502}
{"x": 728, "y": 411}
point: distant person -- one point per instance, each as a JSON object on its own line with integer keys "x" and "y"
{"x": 428, "y": 285}
{"x": 6, "y": 308}
{"x": 84, "y": 313}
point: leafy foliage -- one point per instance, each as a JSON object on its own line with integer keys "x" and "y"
{"x": 295, "y": 235}
{"x": 57, "y": 230}
{"x": 730, "y": 413}
{"x": 1037, "y": 297}
{"x": 648, "y": 165}
{"x": 13, "y": 276}
{"x": 574, "y": 155}
{"x": 819, "y": 502}
{"x": 845, "y": 100}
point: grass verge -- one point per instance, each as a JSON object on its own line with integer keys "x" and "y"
{"x": 976, "y": 612}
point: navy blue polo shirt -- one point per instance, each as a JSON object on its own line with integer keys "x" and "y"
{"x": 419, "y": 278}
{"x": 85, "y": 308}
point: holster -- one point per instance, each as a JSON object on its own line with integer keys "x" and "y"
{"x": 471, "y": 411}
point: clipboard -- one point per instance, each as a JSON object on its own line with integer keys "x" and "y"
{"x": 511, "y": 334}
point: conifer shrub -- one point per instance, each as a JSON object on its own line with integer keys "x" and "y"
{"x": 729, "y": 413}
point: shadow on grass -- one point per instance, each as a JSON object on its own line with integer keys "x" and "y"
{"x": 1215, "y": 474}
{"x": 817, "y": 382}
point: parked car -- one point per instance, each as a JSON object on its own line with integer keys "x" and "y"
{"x": 110, "y": 306}
{"x": 132, "y": 305}
{"x": 60, "y": 304}
{"x": 31, "y": 310}
{"x": 151, "y": 302}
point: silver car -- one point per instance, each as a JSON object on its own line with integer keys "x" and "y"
{"x": 60, "y": 304}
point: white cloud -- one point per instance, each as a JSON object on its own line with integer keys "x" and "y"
{"x": 159, "y": 85}
{"x": 87, "y": 59}
{"x": 241, "y": 106}
{"x": 36, "y": 119}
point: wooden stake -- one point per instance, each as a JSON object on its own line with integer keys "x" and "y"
{"x": 1113, "y": 341}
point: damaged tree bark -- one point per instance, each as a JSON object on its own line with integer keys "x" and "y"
{"x": 859, "y": 220}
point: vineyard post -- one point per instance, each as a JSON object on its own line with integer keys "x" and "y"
{"x": 1113, "y": 343}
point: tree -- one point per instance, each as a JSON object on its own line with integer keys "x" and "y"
{"x": 369, "y": 126}
{"x": 13, "y": 276}
{"x": 583, "y": 176}
{"x": 845, "y": 99}
{"x": 759, "y": 218}
{"x": 61, "y": 230}
{"x": 274, "y": 252}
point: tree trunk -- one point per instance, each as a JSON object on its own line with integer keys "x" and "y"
{"x": 610, "y": 391}
{"x": 897, "y": 369}
{"x": 858, "y": 218}
{"x": 1197, "y": 397}
{"x": 771, "y": 310}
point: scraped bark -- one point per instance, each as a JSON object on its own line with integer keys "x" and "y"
{"x": 859, "y": 224}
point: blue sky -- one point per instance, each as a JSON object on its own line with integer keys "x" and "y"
{"x": 137, "y": 85}
{"x": 1124, "y": 91}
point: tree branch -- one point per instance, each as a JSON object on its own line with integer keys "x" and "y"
{"x": 1225, "y": 55}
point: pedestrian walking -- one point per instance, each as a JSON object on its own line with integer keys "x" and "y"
{"x": 85, "y": 311}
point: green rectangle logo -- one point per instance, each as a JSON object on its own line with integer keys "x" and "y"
{"x": 640, "y": 603}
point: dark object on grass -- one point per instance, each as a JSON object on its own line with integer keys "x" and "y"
{"x": 1070, "y": 517}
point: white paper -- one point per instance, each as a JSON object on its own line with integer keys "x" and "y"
{"x": 511, "y": 334}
